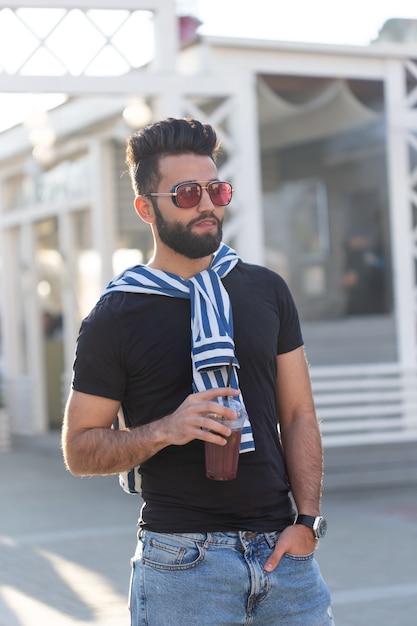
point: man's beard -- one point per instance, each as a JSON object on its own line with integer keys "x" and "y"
{"x": 179, "y": 237}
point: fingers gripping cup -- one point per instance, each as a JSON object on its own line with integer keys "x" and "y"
{"x": 222, "y": 461}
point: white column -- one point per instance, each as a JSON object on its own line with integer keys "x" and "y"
{"x": 103, "y": 207}
{"x": 401, "y": 214}
{"x": 10, "y": 309}
{"x": 247, "y": 174}
{"x": 166, "y": 37}
{"x": 15, "y": 313}
{"x": 11, "y": 328}
{"x": 34, "y": 412}
{"x": 69, "y": 297}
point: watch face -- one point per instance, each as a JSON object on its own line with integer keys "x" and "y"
{"x": 321, "y": 528}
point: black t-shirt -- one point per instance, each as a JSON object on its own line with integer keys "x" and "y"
{"x": 136, "y": 348}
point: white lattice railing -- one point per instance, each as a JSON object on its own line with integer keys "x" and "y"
{"x": 37, "y": 40}
{"x": 365, "y": 404}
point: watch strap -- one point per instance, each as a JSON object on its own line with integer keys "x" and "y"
{"x": 305, "y": 520}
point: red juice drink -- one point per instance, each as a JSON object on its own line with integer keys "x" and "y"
{"x": 222, "y": 461}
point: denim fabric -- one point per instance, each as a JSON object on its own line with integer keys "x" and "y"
{"x": 217, "y": 579}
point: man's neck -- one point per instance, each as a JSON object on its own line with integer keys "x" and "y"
{"x": 182, "y": 266}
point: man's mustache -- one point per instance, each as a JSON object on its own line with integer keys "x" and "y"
{"x": 204, "y": 217}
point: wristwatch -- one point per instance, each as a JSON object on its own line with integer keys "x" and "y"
{"x": 317, "y": 524}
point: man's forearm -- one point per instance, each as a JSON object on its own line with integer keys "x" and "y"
{"x": 102, "y": 451}
{"x": 304, "y": 460}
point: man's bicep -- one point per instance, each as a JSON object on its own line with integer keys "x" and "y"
{"x": 294, "y": 393}
{"x": 86, "y": 432}
{"x": 85, "y": 411}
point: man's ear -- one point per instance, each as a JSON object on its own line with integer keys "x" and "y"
{"x": 144, "y": 208}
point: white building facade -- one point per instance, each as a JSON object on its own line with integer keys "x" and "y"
{"x": 320, "y": 143}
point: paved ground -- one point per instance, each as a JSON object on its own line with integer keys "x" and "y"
{"x": 65, "y": 545}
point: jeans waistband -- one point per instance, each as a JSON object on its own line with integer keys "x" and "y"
{"x": 231, "y": 538}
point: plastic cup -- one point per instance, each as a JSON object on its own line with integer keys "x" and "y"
{"x": 222, "y": 461}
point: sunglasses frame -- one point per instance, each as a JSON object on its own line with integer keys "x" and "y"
{"x": 174, "y": 192}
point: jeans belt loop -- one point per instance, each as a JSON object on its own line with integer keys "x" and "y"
{"x": 249, "y": 535}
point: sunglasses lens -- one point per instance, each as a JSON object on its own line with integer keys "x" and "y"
{"x": 188, "y": 195}
{"x": 220, "y": 193}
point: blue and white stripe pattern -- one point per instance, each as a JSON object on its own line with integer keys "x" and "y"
{"x": 211, "y": 319}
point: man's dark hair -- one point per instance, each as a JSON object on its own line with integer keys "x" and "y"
{"x": 167, "y": 137}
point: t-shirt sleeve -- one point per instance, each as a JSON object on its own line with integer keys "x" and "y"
{"x": 99, "y": 367}
{"x": 290, "y": 335}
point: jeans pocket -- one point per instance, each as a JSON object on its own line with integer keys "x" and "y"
{"x": 170, "y": 552}
{"x": 299, "y": 557}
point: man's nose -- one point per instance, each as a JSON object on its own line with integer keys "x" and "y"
{"x": 205, "y": 200}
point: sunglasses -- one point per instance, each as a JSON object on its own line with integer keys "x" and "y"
{"x": 188, "y": 195}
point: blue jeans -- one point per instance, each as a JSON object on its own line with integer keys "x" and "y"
{"x": 217, "y": 579}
